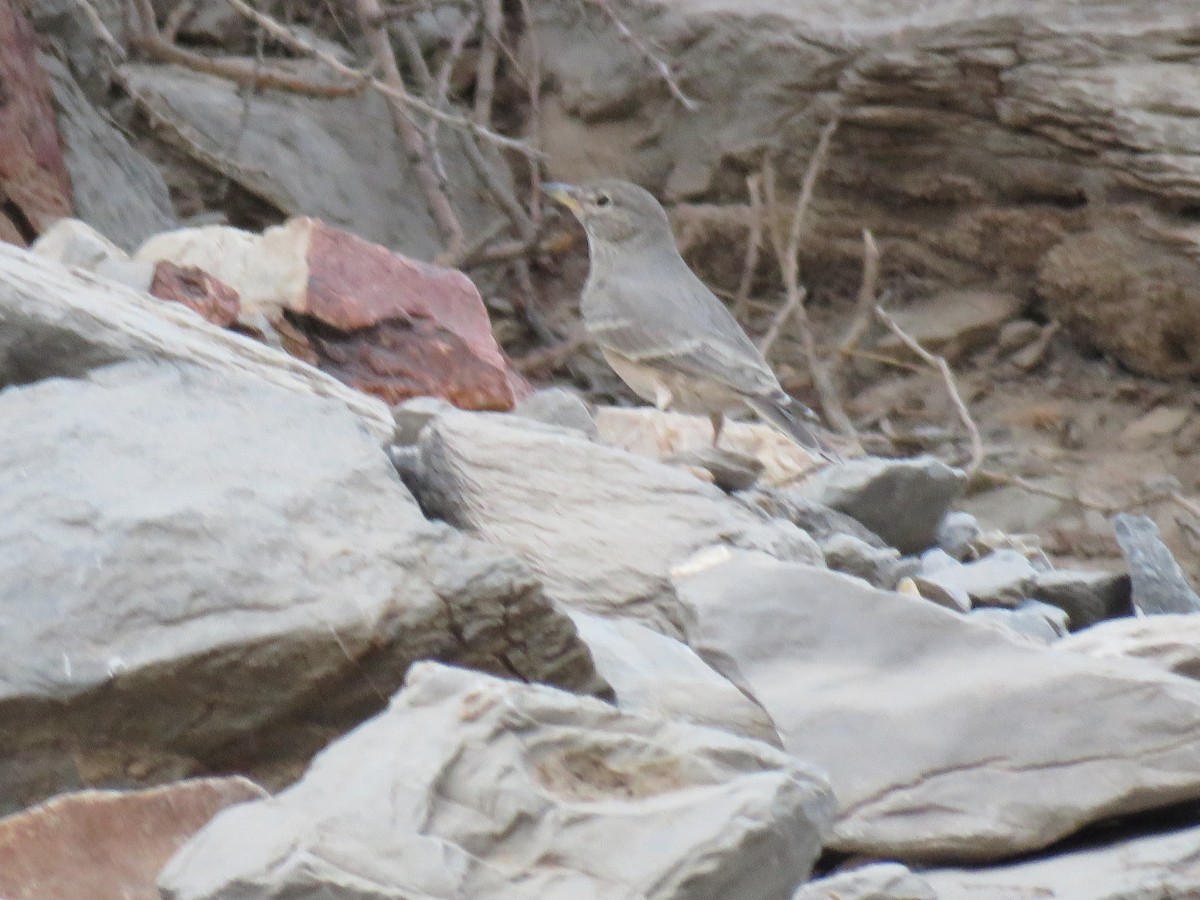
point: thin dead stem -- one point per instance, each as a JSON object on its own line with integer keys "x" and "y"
{"x": 660, "y": 66}
{"x": 864, "y": 308}
{"x": 758, "y": 220}
{"x": 939, "y": 363}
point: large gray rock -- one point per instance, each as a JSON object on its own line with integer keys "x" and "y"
{"x": 1154, "y": 867}
{"x": 338, "y": 160}
{"x": 468, "y": 786}
{"x": 196, "y": 565}
{"x": 115, "y": 189}
{"x": 944, "y": 739}
{"x": 1002, "y": 578}
{"x": 901, "y": 500}
{"x": 59, "y": 321}
{"x": 1159, "y": 585}
{"x": 656, "y": 675}
{"x": 603, "y": 528}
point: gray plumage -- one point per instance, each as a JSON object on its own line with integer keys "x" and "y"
{"x": 660, "y": 328}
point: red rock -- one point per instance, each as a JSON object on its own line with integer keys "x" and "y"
{"x": 107, "y": 845}
{"x": 35, "y": 189}
{"x": 197, "y": 290}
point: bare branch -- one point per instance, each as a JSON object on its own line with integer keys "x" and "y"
{"x": 939, "y": 363}
{"x": 660, "y": 66}
{"x": 865, "y": 307}
{"x": 753, "y": 246}
{"x": 100, "y": 29}
{"x": 415, "y": 145}
{"x": 489, "y": 58}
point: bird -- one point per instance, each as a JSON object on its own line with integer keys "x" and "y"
{"x": 663, "y": 332}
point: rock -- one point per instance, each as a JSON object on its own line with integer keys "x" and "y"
{"x": 1154, "y": 428}
{"x": 60, "y": 322}
{"x": 647, "y": 431}
{"x": 821, "y": 522}
{"x": 386, "y": 324}
{"x": 204, "y": 295}
{"x": 1087, "y": 597}
{"x": 1169, "y": 641}
{"x": 413, "y": 415}
{"x": 946, "y": 594}
{"x": 334, "y": 159}
{"x": 952, "y": 323}
{"x": 877, "y": 881}
{"x": 901, "y": 500}
{"x": 1038, "y": 621}
{"x": 75, "y": 243}
{"x": 882, "y": 568}
{"x": 1017, "y": 334}
{"x": 601, "y": 527}
{"x": 469, "y": 786}
{"x": 1151, "y": 867}
{"x": 729, "y": 470}
{"x": 1158, "y": 583}
{"x": 967, "y": 745}
{"x": 654, "y": 675}
{"x": 106, "y": 844}
{"x": 234, "y": 584}
{"x": 1002, "y": 578}
{"x": 35, "y": 187}
{"x": 957, "y": 534}
{"x": 116, "y": 189}
{"x": 558, "y": 406}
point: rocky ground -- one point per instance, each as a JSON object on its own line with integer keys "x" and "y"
{"x": 332, "y": 564}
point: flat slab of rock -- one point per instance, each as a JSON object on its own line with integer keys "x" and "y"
{"x": 469, "y": 786}
{"x": 1087, "y": 597}
{"x": 1159, "y": 585}
{"x": 1170, "y": 642}
{"x": 601, "y": 527}
{"x": 1002, "y": 578}
{"x": 1152, "y": 867}
{"x": 108, "y": 845}
{"x": 198, "y": 566}
{"x": 944, "y": 739}
{"x": 901, "y": 500}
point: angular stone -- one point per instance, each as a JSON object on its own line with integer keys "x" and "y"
{"x": 817, "y": 519}
{"x": 901, "y": 500}
{"x": 944, "y": 739}
{"x": 1037, "y": 621}
{"x": 558, "y": 406}
{"x": 729, "y": 470}
{"x": 656, "y": 675}
{"x": 659, "y": 435}
{"x": 389, "y": 325}
{"x": 601, "y": 527}
{"x": 56, "y": 321}
{"x": 1168, "y": 641}
{"x": 1087, "y": 597}
{"x": 1158, "y": 583}
{"x": 1150, "y": 867}
{"x": 957, "y": 533}
{"x": 877, "y": 881}
{"x": 469, "y": 786}
{"x": 882, "y": 568}
{"x": 204, "y": 295}
{"x": 1002, "y": 578}
{"x": 236, "y": 583}
{"x": 108, "y": 845}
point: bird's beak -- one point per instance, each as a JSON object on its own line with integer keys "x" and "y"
{"x": 566, "y": 194}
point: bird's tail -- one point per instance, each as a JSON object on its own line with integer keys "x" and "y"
{"x": 791, "y": 417}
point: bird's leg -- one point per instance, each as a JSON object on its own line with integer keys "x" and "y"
{"x": 718, "y": 422}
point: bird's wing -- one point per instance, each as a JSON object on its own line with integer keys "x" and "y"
{"x": 676, "y": 324}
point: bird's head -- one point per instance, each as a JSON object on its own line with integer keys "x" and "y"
{"x": 614, "y": 211}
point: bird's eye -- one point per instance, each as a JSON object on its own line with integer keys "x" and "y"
{"x": 603, "y": 200}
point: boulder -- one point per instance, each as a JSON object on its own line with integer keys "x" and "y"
{"x": 110, "y": 845}
{"x": 944, "y": 739}
{"x": 1168, "y": 641}
{"x": 601, "y": 527}
{"x": 1158, "y": 583}
{"x": 469, "y": 786}
{"x": 201, "y": 569}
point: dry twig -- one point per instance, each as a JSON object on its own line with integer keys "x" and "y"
{"x": 864, "y": 308}
{"x": 939, "y": 363}
{"x": 643, "y": 48}
{"x": 788, "y": 255}
{"x": 489, "y": 59}
{"x": 758, "y": 218}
